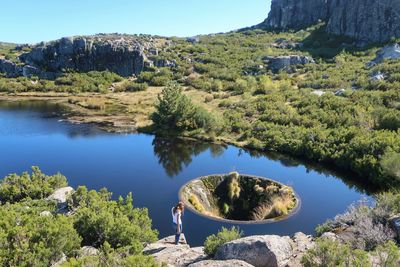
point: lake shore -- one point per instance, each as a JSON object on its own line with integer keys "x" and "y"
{"x": 116, "y": 112}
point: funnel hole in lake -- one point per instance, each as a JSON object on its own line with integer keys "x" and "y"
{"x": 240, "y": 198}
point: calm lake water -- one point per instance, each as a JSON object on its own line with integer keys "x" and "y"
{"x": 154, "y": 169}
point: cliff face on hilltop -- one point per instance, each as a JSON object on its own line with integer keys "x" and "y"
{"x": 364, "y": 20}
{"x": 296, "y": 14}
{"x": 122, "y": 55}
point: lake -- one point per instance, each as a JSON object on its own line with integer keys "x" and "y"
{"x": 154, "y": 169}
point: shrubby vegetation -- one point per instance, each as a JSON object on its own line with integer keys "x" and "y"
{"x": 14, "y": 187}
{"x": 363, "y": 231}
{"x": 33, "y": 234}
{"x": 369, "y": 226}
{"x": 330, "y": 253}
{"x": 213, "y": 242}
{"x": 28, "y": 239}
{"x": 175, "y": 111}
{"x": 356, "y": 129}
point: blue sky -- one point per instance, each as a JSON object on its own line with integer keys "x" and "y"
{"x": 30, "y": 21}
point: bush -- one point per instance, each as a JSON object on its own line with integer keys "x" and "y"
{"x": 111, "y": 257}
{"x": 28, "y": 239}
{"x": 14, "y": 188}
{"x": 214, "y": 242}
{"x": 390, "y": 163}
{"x": 99, "y": 220}
{"x": 130, "y": 86}
{"x": 370, "y": 225}
{"x": 329, "y": 253}
{"x": 388, "y": 254}
{"x": 175, "y": 111}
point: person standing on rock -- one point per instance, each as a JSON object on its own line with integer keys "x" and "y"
{"x": 177, "y": 213}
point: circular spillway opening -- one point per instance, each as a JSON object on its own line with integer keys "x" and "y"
{"x": 240, "y": 198}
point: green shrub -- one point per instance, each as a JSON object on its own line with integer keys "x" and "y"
{"x": 99, "y": 219}
{"x": 388, "y": 254}
{"x": 225, "y": 235}
{"x": 14, "y": 188}
{"x": 175, "y": 111}
{"x": 370, "y": 224}
{"x": 390, "y": 163}
{"x": 28, "y": 239}
{"x": 329, "y": 253}
{"x": 111, "y": 257}
{"x": 130, "y": 86}
{"x": 196, "y": 203}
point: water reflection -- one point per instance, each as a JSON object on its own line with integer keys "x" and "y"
{"x": 34, "y": 117}
{"x": 176, "y": 153}
{"x": 350, "y": 179}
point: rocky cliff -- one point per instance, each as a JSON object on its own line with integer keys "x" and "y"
{"x": 296, "y": 14}
{"x": 124, "y": 55}
{"x": 365, "y": 20}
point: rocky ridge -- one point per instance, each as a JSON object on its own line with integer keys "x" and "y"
{"x": 126, "y": 55}
{"x": 367, "y": 21}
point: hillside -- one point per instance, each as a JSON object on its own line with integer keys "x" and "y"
{"x": 317, "y": 81}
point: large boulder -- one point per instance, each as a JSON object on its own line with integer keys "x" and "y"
{"x": 61, "y": 260}
{"x": 387, "y": 52}
{"x": 277, "y": 63}
{"x": 60, "y": 197}
{"x": 9, "y": 68}
{"x": 88, "y": 251}
{"x": 61, "y": 194}
{"x": 260, "y": 251}
{"x": 395, "y": 223}
{"x": 165, "y": 251}
{"x": 227, "y": 263}
{"x": 301, "y": 243}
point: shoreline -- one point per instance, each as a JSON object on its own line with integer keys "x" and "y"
{"x": 131, "y": 123}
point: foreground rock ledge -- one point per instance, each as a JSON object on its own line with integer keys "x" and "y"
{"x": 258, "y": 251}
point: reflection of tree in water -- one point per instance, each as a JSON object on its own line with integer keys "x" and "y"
{"x": 350, "y": 179}
{"x": 175, "y": 153}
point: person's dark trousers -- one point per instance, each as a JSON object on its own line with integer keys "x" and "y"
{"x": 177, "y": 233}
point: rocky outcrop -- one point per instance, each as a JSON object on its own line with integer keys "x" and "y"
{"x": 227, "y": 263}
{"x": 364, "y": 20}
{"x": 296, "y": 14}
{"x": 11, "y": 69}
{"x": 259, "y": 251}
{"x": 287, "y": 63}
{"x": 124, "y": 55}
{"x": 88, "y": 251}
{"x": 395, "y": 223}
{"x": 165, "y": 251}
{"x": 387, "y": 52}
{"x": 262, "y": 250}
{"x": 60, "y": 197}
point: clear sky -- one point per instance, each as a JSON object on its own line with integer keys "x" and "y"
{"x": 30, "y": 21}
